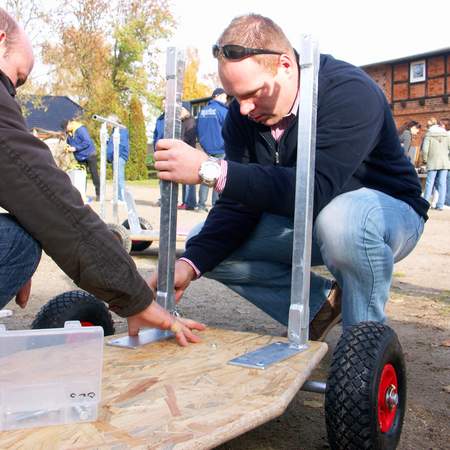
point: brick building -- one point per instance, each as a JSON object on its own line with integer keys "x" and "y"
{"x": 417, "y": 87}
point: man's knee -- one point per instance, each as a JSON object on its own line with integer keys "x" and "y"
{"x": 18, "y": 244}
{"x": 195, "y": 230}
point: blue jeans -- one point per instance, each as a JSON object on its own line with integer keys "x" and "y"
{"x": 441, "y": 177}
{"x": 190, "y": 196}
{"x": 447, "y": 196}
{"x": 122, "y": 164}
{"x": 19, "y": 257}
{"x": 358, "y": 236}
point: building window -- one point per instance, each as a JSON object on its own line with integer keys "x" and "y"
{"x": 417, "y": 71}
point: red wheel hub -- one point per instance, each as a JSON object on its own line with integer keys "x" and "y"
{"x": 387, "y": 398}
{"x": 87, "y": 324}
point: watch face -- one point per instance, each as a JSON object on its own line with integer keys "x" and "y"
{"x": 211, "y": 170}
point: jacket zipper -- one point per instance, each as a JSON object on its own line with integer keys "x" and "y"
{"x": 272, "y": 147}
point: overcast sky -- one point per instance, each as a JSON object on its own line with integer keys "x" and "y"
{"x": 359, "y": 32}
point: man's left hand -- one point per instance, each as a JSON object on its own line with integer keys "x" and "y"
{"x": 178, "y": 162}
{"x": 24, "y": 294}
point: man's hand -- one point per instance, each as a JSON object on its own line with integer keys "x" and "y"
{"x": 24, "y": 294}
{"x": 155, "y": 316}
{"x": 183, "y": 276}
{"x": 178, "y": 162}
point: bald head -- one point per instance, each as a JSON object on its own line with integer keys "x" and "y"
{"x": 16, "y": 54}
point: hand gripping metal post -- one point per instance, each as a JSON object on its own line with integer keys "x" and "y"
{"x": 169, "y": 191}
{"x": 298, "y": 326}
{"x": 103, "y": 144}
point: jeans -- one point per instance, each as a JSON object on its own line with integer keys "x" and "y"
{"x": 358, "y": 236}
{"x": 190, "y": 197}
{"x": 447, "y": 196}
{"x": 19, "y": 257}
{"x": 441, "y": 176}
{"x": 122, "y": 164}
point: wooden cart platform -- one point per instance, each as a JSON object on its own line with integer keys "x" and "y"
{"x": 162, "y": 396}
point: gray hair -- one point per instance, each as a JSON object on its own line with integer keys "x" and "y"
{"x": 9, "y": 26}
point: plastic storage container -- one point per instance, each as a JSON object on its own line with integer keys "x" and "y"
{"x": 51, "y": 376}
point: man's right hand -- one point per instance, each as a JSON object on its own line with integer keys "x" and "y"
{"x": 155, "y": 316}
{"x": 183, "y": 275}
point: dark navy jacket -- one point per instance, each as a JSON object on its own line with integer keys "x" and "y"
{"x": 158, "y": 133}
{"x": 356, "y": 146}
{"x": 209, "y": 127}
{"x": 124, "y": 145}
{"x": 82, "y": 142}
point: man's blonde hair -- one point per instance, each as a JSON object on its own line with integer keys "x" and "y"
{"x": 9, "y": 26}
{"x": 256, "y": 31}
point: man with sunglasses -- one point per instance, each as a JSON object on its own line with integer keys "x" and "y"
{"x": 368, "y": 210}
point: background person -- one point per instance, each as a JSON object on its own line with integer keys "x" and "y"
{"x": 435, "y": 154}
{"x": 82, "y": 145}
{"x": 406, "y": 132}
{"x": 188, "y": 135}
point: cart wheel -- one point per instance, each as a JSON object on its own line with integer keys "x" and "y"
{"x": 122, "y": 234}
{"x": 365, "y": 399}
{"x": 74, "y": 305}
{"x": 139, "y": 246}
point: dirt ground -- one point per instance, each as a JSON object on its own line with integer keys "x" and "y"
{"x": 419, "y": 311}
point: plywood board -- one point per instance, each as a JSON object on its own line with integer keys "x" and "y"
{"x": 162, "y": 396}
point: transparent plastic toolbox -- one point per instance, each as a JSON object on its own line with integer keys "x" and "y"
{"x": 51, "y": 376}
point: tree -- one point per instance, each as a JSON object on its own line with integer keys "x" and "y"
{"x": 136, "y": 168}
{"x": 137, "y": 29}
{"x": 192, "y": 88}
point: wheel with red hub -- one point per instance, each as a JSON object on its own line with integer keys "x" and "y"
{"x": 74, "y": 305}
{"x": 365, "y": 398}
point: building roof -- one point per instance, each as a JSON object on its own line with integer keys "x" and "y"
{"x": 408, "y": 58}
{"x": 47, "y": 112}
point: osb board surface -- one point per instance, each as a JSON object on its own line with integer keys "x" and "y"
{"x": 162, "y": 396}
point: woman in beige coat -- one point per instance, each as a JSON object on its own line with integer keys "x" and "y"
{"x": 436, "y": 148}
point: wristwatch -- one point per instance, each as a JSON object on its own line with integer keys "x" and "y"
{"x": 209, "y": 172}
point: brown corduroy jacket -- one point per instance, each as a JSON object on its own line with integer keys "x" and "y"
{"x": 42, "y": 199}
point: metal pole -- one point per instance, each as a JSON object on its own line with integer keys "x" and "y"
{"x": 116, "y": 144}
{"x": 103, "y": 138}
{"x": 169, "y": 191}
{"x": 298, "y": 327}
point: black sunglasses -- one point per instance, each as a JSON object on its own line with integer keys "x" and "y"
{"x": 234, "y": 52}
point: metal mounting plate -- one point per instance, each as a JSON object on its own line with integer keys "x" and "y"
{"x": 144, "y": 337}
{"x": 266, "y": 356}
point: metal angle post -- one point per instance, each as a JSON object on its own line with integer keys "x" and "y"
{"x": 169, "y": 191}
{"x": 298, "y": 327}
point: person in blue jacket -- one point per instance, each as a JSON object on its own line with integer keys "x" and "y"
{"x": 82, "y": 145}
{"x": 368, "y": 211}
{"x": 124, "y": 150}
{"x": 209, "y": 131}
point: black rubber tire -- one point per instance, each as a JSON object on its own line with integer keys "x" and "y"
{"x": 351, "y": 397}
{"x": 74, "y": 305}
{"x": 139, "y": 246}
{"x": 122, "y": 234}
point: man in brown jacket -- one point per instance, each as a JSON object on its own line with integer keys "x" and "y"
{"x": 46, "y": 212}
